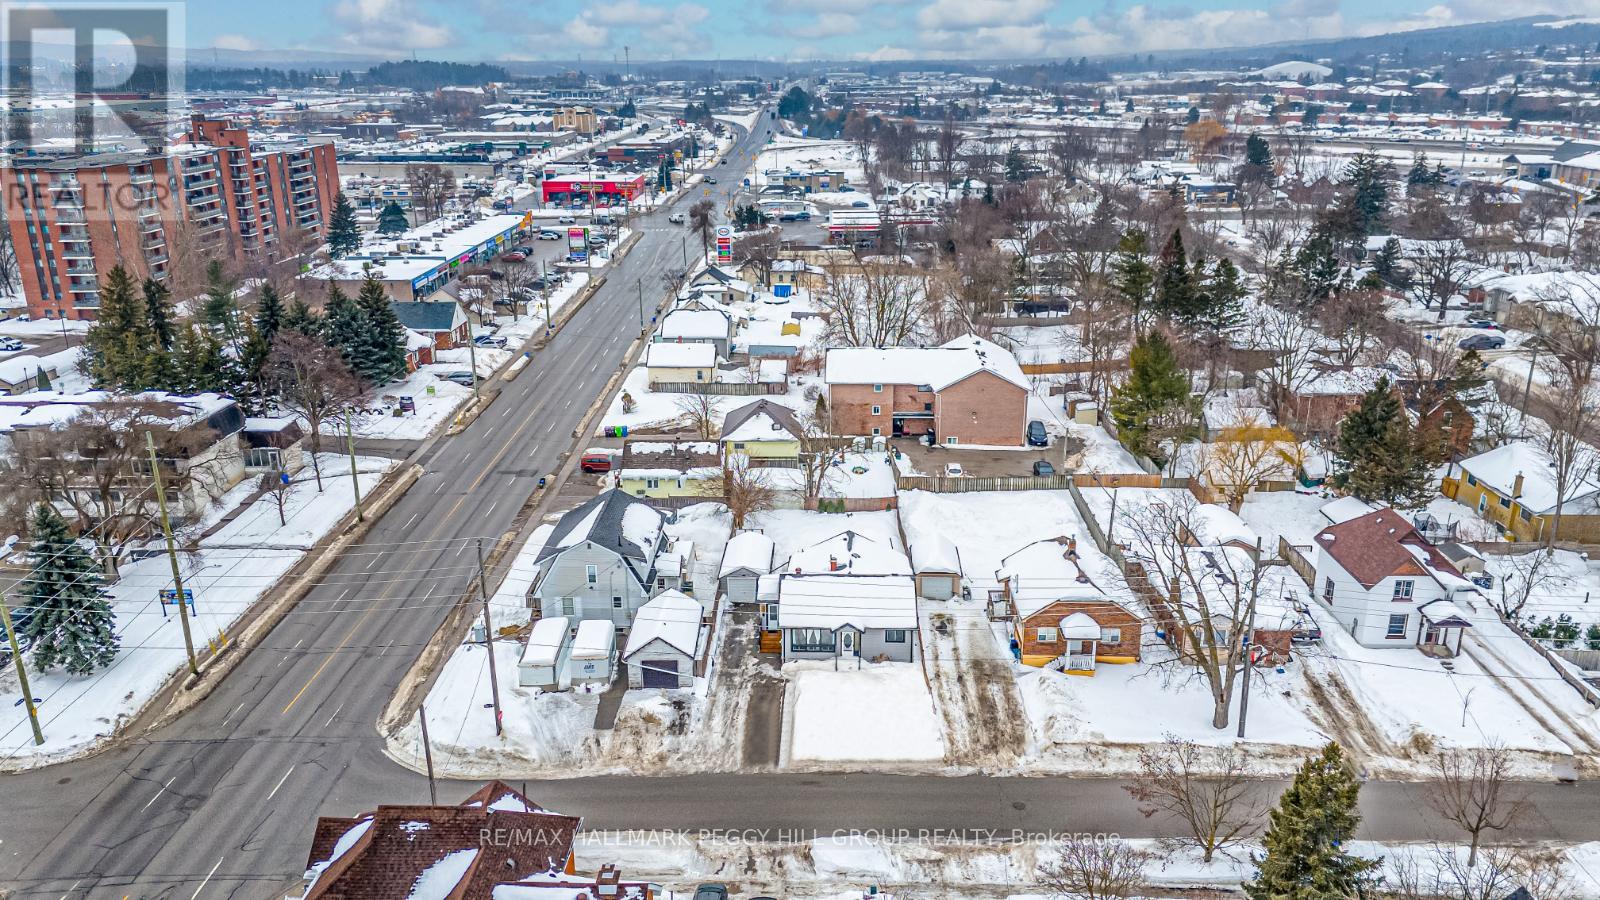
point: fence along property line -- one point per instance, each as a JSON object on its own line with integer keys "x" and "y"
{"x": 719, "y": 388}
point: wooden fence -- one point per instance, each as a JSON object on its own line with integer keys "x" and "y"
{"x": 1585, "y": 690}
{"x": 718, "y": 388}
{"x": 1297, "y": 562}
{"x": 940, "y": 484}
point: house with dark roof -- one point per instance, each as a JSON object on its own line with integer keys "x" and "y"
{"x": 496, "y": 836}
{"x": 443, "y": 321}
{"x": 600, "y": 562}
{"x": 766, "y": 433}
{"x": 1389, "y": 587}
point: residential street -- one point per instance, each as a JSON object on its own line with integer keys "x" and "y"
{"x": 225, "y": 797}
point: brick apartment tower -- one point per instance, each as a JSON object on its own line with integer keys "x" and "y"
{"x": 73, "y": 219}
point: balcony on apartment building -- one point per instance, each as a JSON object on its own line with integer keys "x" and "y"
{"x": 153, "y": 240}
{"x": 141, "y": 176}
{"x": 80, "y": 267}
{"x": 76, "y": 249}
{"x": 71, "y": 215}
{"x": 72, "y": 231}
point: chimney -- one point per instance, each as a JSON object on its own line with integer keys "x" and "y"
{"x": 1516, "y": 486}
{"x": 608, "y": 882}
{"x": 833, "y": 564}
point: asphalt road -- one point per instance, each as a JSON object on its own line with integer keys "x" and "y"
{"x": 221, "y": 802}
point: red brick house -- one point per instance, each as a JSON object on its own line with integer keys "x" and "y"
{"x": 968, "y": 391}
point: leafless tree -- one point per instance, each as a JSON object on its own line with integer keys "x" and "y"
{"x": 872, "y": 304}
{"x": 431, "y": 186}
{"x": 516, "y": 282}
{"x": 97, "y": 465}
{"x": 758, "y": 251}
{"x": 1352, "y": 320}
{"x": 1203, "y": 598}
{"x": 818, "y": 449}
{"x": 275, "y": 487}
{"x": 10, "y": 272}
{"x": 1293, "y": 350}
{"x": 1087, "y": 868}
{"x": 1442, "y": 873}
{"x": 744, "y": 489}
{"x": 1519, "y": 576}
{"x": 699, "y": 410}
{"x": 1575, "y": 352}
{"x": 1472, "y": 790}
{"x": 311, "y": 380}
{"x": 1438, "y": 272}
{"x": 1208, "y": 791}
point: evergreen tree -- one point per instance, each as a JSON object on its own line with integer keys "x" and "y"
{"x": 220, "y": 307}
{"x": 1175, "y": 294}
{"x": 1420, "y": 174}
{"x": 70, "y": 623}
{"x": 158, "y": 313}
{"x": 269, "y": 313}
{"x": 1366, "y": 201}
{"x": 1126, "y": 107}
{"x": 42, "y": 382}
{"x": 345, "y": 326}
{"x": 1469, "y": 378}
{"x": 383, "y": 355}
{"x": 988, "y": 193}
{"x": 1154, "y": 403}
{"x": 1386, "y": 264}
{"x": 1317, "y": 265}
{"x": 118, "y": 348}
{"x": 392, "y": 220}
{"x": 1224, "y": 296}
{"x": 1257, "y": 152}
{"x": 198, "y": 362}
{"x": 1131, "y": 271}
{"x": 1016, "y": 165}
{"x": 1305, "y": 841}
{"x": 1380, "y": 459}
{"x": 344, "y": 235}
{"x": 303, "y": 319}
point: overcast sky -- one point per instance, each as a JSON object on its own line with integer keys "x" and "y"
{"x": 808, "y": 29}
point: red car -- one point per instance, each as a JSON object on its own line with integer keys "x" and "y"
{"x": 515, "y": 256}
{"x": 595, "y": 462}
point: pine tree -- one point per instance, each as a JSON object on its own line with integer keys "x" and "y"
{"x": 1420, "y": 174}
{"x": 392, "y": 220}
{"x": 1224, "y": 295}
{"x": 71, "y": 624}
{"x": 158, "y": 312}
{"x": 1175, "y": 294}
{"x": 1131, "y": 271}
{"x": 269, "y": 313}
{"x": 1315, "y": 818}
{"x": 345, "y": 326}
{"x": 1317, "y": 265}
{"x": 1386, "y": 264}
{"x": 344, "y": 235}
{"x": 1367, "y": 196}
{"x": 303, "y": 319}
{"x": 118, "y": 348}
{"x": 1016, "y": 165}
{"x": 383, "y": 358}
{"x": 220, "y": 307}
{"x": 198, "y": 362}
{"x": 1380, "y": 459}
{"x": 1257, "y": 152}
{"x": 1154, "y": 401}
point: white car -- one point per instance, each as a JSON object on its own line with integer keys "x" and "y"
{"x": 676, "y": 218}
{"x": 953, "y": 470}
{"x": 567, "y": 220}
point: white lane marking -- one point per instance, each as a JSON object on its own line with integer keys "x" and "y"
{"x": 414, "y": 516}
{"x": 490, "y": 511}
{"x": 334, "y": 716}
{"x": 281, "y": 781}
{"x": 203, "y": 884}
{"x": 230, "y": 715}
{"x": 71, "y": 889}
{"x": 158, "y": 793}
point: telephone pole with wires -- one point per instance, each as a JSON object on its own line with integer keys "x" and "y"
{"x": 355, "y": 475}
{"x": 488, "y": 640}
{"x": 172, "y": 555}
{"x": 427, "y": 755}
{"x": 16, "y": 661}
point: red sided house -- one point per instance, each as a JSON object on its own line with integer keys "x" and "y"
{"x": 968, "y": 391}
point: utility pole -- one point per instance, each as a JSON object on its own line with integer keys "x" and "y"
{"x": 184, "y": 606}
{"x": 427, "y": 755}
{"x": 1249, "y": 638}
{"x": 683, "y": 244}
{"x": 472, "y": 360}
{"x": 641, "y": 306}
{"x": 355, "y": 478}
{"x": 22, "y": 670}
{"x": 488, "y": 638}
{"x": 1527, "y": 386}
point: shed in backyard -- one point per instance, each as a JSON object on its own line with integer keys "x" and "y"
{"x": 667, "y": 643}
{"x": 747, "y": 556}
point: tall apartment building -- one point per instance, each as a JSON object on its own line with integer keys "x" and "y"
{"x": 73, "y": 219}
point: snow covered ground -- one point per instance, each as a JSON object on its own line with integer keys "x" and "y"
{"x": 878, "y": 713}
{"x": 803, "y": 154}
{"x": 657, "y": 410}
{"x": 436, "y": 401}
{"x": 233, "y": 568}
{"x": 1100, "y": 453}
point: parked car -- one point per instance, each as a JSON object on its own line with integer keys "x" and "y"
{"x": 515, "y": 256}
{"x": 860, "y": 204}
{"x": 595, "y": 462}
{"x": 1043, "y": 469}
{"x": 1037, "y": 436}
{"x": 953, "y": 470}
{"x": 676, "y": 219}
{"x": 567, "y": 220}
{"x": 711, "y": 892}
{"x": 462, "y": 377}
{"x": 489, "y": 340}
{"x": 1482, "y": 322}
{"x": 1482, "y": 342}
{"x": 710, "y": 180}
{"x": 549, "y": 235}
{"x": 10, "y": 344}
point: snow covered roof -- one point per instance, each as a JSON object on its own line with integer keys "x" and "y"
{"x": 935, "y": 553}
{"x": 680, "y": 356}
{"x": 1382, "y": 543}
{"x": 937, "y": 367}
{"x": 1444, "y": 612}
{"x": 1498, "y": 469}
{"x": 695, "y": 323}
{"x": 762, "y": 420}
{"x": 1080, "y": 627}
{"x": 671, "y": 617}
{"x": 1344, "y": 509}
{"x": 596, "y": 639}
{"x": 545, "y": 641}
{"x": 1043, "y": 573}
{"x": 750, "y": 550}
{"x": 616, "y": 521}
{"x": 848, "y": 552}
{"x": 832, "y": 601}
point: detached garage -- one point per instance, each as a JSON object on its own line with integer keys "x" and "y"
{"x": 746, "y": 558}
{"x": 667, "y": 643}
{"x": 936, "y": 563}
